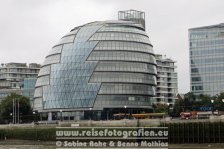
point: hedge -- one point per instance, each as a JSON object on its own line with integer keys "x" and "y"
{"x": 42, "y": 134}
{"x": 189, "y": 132}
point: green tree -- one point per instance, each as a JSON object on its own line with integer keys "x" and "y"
{"x": 161, "y": 108}
{"x": 6, "y": 107}
{"x": 192, "y": 102}
{"x": 190, "y": 97}
{"x": 177, "y": 108}
{"x": 219, "y": 104}
{"x": 203, "y": 100}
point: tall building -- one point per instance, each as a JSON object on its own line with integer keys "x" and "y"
{"x": 12, "y": 77}
{"x": 207, "y": 59}
{"x": 99, "y": 69}
{"x": 167, "y": 88}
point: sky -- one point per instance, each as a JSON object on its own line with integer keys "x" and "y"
{"x": 29, "y": 28}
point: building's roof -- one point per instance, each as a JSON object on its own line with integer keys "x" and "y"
{"x": 163, "y": 58}
{"x": 221, "y": 25}
{"x": 115, "y": 22}
{"x": 22, "y": 65}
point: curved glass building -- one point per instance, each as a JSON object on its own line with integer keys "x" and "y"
{"x": 98, "y": 70}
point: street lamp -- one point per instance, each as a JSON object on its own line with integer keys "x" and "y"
{"x": 125, "y": 111}
{"x": 90, "y": 115}
{"x": 168, "y": 108}
{"x": 61, "y": 114}
{"x": 10, "y": 114}
{"x": 222, "y": 100}
{"x": 212, "y": 101}
{"x": 34, "y": 115}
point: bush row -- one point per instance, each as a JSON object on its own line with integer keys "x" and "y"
{"x": 36, "y": 133}
{"x": 195, "y": 132}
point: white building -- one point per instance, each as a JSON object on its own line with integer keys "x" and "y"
{"x": 167, "y": 88}
{"x": 12, "y": 77}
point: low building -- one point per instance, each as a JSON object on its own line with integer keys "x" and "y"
{"x": 13, "y": 79}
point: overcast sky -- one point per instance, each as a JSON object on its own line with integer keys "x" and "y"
{"x": 29, "y": 28}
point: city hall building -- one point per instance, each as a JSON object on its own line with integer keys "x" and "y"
{"x": 97, "y": 70}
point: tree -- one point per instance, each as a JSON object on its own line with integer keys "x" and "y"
{"x": 6, "y": 106}
{"x": 189, "y": 99}
{"x": 178, "y": 108}
{"x": 219, "y": 104}
{"x": 161, "y": 108}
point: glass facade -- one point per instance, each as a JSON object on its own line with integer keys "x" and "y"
{"x": 98, "y": 66}
{"x": 28, "y": 88}
{"x": 207, "y": 59}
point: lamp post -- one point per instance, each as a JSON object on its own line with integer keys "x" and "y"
{"x": 168, "y": 108}
{"x": 10, "y": 114}
{"x": 107, "y": 114}
{"x": 60, "y": 115}
{"x": 125, "y": 111}
{"x": 34, "y": 113}
{"x": 212, "y": 101}
{"x": 223, "y": 100}
{"x": 90, "y": 114}
{"x": 18, "y": 111}
{"x": 13, "y": 111}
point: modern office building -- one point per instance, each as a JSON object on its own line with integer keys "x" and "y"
{"x": 167, "y": 89}
{"x": 99, "y": 69}
{"x": 12, "y": 76}
{"x": 207, "y": 59}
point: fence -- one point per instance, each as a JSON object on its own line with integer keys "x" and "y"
{"x": 195, "y": 132}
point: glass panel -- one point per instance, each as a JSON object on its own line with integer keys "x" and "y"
{"x": 52, "y": 59}
{"x": 38, "y": 92}
{"x": 121, "y": 45}
{"x": 123, "y": 77}
{"x": 38, "y": 103}
{"x": 44, "y": 80}
{"x": 121, "y": 100}
{"x": 121, "y": 55}
{"x": 55, "y": 50}
{"x": 120, "y": 36}
{"x": 127, "y": 89}
{"x": 122, "y": 29}
{"x": 126, "y": 66}
{"x": 45, "y": 70}
{"x": 66, "y": 39}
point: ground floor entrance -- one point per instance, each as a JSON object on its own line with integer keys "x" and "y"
{"x": 105, "y": 114}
